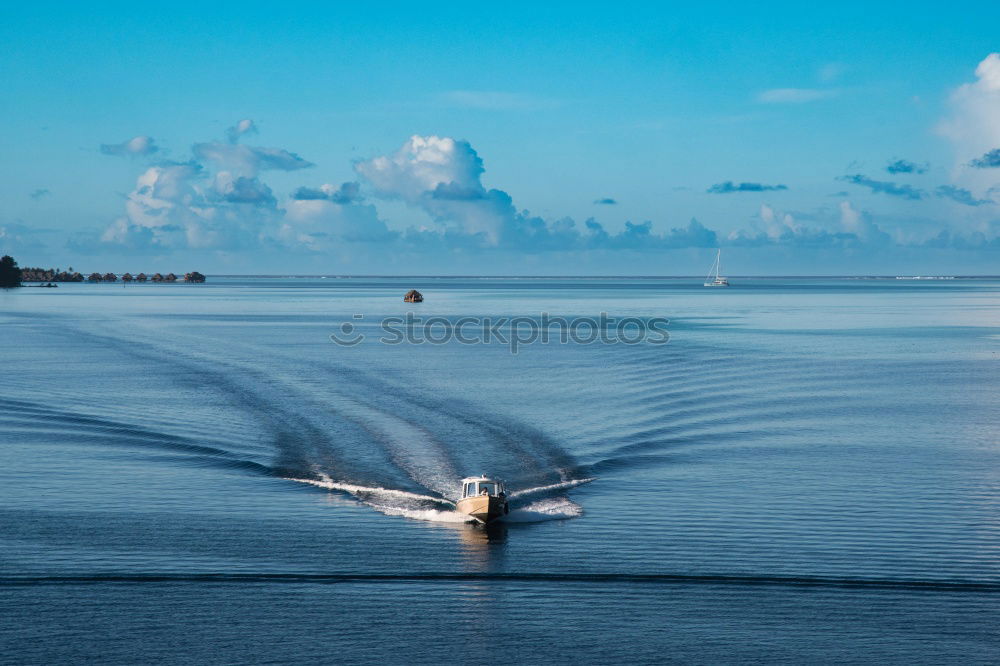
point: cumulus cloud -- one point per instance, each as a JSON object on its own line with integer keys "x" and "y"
{"x": 973, "y": 127}
{"x": 245, "y": 126}
{"x": 136, "y": 146}
{"x": 442, "y": 177}
{"x": 346, "y": 193}
{"x": 990, "y": 160}
{"x": 40, "y": 193}
{"x": 729, "y": 187}
{"x": 852, "y": 229}
{"x": 795, "y": 95}
{"x": 975, "y": 240}
{"x": 248, "y": 160}
{"x": 883, "y": 187}
{"x": 422, "y": 164}
{"x": 642, "y": 237}
{"x": 861, "y": 225}
{"x": 240, "y": 189}
{"x": 218, "y": 201}
{"x": 321, "y": 223}
{"x": 905, "y": 166}
{"x": 960, "y": 195}
{"x": 181, "y": 205}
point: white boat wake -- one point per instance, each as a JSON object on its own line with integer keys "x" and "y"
{"x": 365, "y": 493}
{"x": 382, "y": 500}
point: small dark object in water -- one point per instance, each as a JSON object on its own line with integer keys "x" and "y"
{"x": 413, "y": 296}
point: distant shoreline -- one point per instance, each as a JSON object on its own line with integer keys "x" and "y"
{"x": 54, "y": 276}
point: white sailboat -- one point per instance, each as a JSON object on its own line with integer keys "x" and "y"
{"x": 717, "y": 281}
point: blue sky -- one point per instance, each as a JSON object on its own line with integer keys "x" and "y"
{"x": 459, "y": 138}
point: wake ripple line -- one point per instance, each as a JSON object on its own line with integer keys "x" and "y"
{"x": 326, "y": 482}
{"x": 552, "y": 487}
{"x": 707, "y": 579}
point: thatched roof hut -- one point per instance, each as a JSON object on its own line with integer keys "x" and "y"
{"x": 94, "y": 277}
{"x": 110, "y": 277}
{"x": 157, "y": 277}
{"x": 413, "y": 296}
{"x": 127, "y": 277}
{"x": 170, "y": 277}
{"x": 141, "y": 277}
{"x": 194, "y": 276}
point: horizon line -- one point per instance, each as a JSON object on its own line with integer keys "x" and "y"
{"x": 619, "y": 277}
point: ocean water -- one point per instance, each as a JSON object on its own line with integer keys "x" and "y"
{"x": 809, "y": 471}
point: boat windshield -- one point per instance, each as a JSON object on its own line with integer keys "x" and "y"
{"x": 473, "y": 488}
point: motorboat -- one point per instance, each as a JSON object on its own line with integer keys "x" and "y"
{"x": 717, "y": 281}
{"x": 483, "y": 498}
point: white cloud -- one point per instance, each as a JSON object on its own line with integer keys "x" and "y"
{"x": 847, "y": 228}
{"x": 777, "y": 224}
{"x": 421, "y": 165}
{"x": 179, "y": 206}
{"x": 139, "y": 145}
{"x": 441, "y": 175}
{"x": 248, "y": 160}
{"x": 973, "y": 127}
{"x": 321, "y": 224}
{"x": 245, "y": 126}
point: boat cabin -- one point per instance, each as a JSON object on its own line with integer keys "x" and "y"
{"x": 481, "y": 485}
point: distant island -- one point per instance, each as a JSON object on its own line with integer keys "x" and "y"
{"x": 12, "y": 276}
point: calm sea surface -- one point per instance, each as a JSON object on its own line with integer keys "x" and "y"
{"x": 809, "y": 471}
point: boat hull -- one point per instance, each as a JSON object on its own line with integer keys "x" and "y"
{"x": 483, "y": 508}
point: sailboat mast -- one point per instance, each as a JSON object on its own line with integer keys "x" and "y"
{"x": 718, "y": 262}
